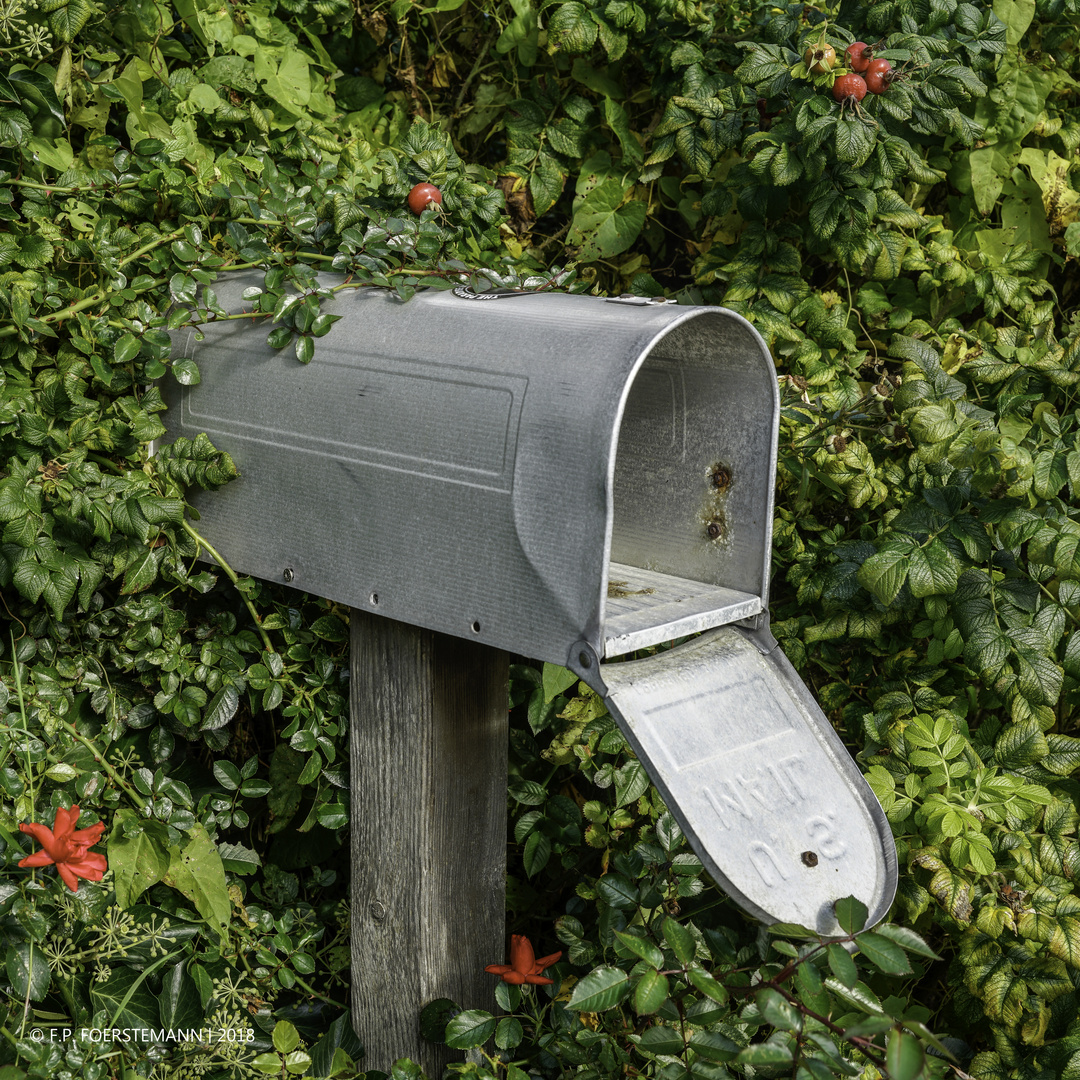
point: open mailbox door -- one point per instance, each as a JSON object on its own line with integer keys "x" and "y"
{"x": 761, "y": 784}
{"x": 569, "y": 478}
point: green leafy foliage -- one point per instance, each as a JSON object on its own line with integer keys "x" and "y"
{"x": 911, "y": 263}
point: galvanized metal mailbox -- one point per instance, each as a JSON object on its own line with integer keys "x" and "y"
{"x": 570, "y": 478}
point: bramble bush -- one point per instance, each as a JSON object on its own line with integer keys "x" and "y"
{"x": 912, "y": 264}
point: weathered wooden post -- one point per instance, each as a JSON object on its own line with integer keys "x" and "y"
{"x": 565, "y": 477}
{"x": 428, "y": 745}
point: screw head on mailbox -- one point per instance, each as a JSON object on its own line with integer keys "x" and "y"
{"x": 572, "y": 479}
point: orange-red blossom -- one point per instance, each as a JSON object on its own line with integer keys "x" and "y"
{"x": 67, "y": 848}
{"x": 523, "y": 966}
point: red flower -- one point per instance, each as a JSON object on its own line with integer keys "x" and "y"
{"x": 523, "y": 966}
{"x": 67, "y": 848}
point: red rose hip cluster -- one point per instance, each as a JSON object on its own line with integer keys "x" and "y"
{"x": 866, "y": 74}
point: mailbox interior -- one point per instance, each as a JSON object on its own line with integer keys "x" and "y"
{"x": 692, "y": 499}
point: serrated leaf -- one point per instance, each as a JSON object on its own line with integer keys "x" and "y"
{"x": 556, "y": 680}
{"x": 603, "y": 988}
{"x": 661, "y": 1039}
{"x": 842, "y": 965}
{"x": 651, "y": 992}
{"x": 767, "y": 1054}
{"x": 572, "y": 28}
{"x": 680, "y": 940}
{"x": 883, "y": 953}
{"x": 933, "y": 570}
{"x": 470, "y": 1028}
{"x": 641, "y": 948}
{"x": 537, "y": 852}
{"x": 707, "y": 985}
{"x": 222, "y": 708}
{"x": 508, "y": 1033}
{"x": 778, "y": 1011}
{"x": 904, "y": 1056}
{"x": 854, "y": 141}
{"x": 28, "y": 971}
{"x": 851, "y": 914}
{"x": 907, "y": 939}
{"x": 885, "y": 572}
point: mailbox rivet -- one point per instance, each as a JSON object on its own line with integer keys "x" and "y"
{"x": 378, "y": 911}
{"x": 476, "y": 626}
{"x": 584, "y": 659}
{"x": 809, "y": 858}
{"x": 375, "y": 598}
{"x": 288, "y": 575}
{"x": 715, "y": 530}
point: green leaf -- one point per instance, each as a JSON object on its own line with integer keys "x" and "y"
{"x": 651, "y": 992}
{"x": 537, "y": 852}
{"x": 884, "y": 954}
{"x": 607, "y": 221}
{"x": 222, "y": 708}
{"x": 680, "y": 939}
{"x": 340, "y": 1039}
{"x": 186, "y": 372}
{"x": 854, "y": 140}
{"x": 907, "y": 939}
{"x": 1065, "y": 941}
{"x": 126, "y": 348}
{"x": 28, "y": 971}
{"x": 238, "y": 859}
{"x": 603, "y": 988}
{"x": 851, "y": 914}
{"x": 126, "y": 999}
{"x": 283, "y": 799}
{"x": 286, "y": 1037}
{"x": 178, "y": 1003}
{"x": 1021, "y": 743}
{"x": 932, "y": 570}
{"x": 470, "y": 1028}
{"x": 706, "y": 984}
{"x": 904, "y": 1056}
{"x": 842, "y": 965}
{"x": 661, "y": 1039}
{"x": 196, "y": 871}
{"x": 713, "y": 1046}
{"x": 509, "y": 1033}
{"x": 885, "y": 572}
{"x": 641, "y": 947}
{"x": 764, "y": 1055}
{"x": 777, "y": 1010}
{"x": 434, "y": 1017}
{"x": 631, "y": 782}
{"x": 67, "y": 21}
{"x": 557, "y": 679}
{"x": 304, "y": 349}
{"x": 139, "y": 861}
{"x": 297, "y": 1062}
{"x": 571, "y": 28}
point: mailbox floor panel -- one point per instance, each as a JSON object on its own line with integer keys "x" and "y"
{"x": 647, "y": 608}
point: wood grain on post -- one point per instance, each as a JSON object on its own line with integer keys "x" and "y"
{"x": 428, "y": 746}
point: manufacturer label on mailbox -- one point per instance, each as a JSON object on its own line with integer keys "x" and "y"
{"x": 763, "y": 787}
